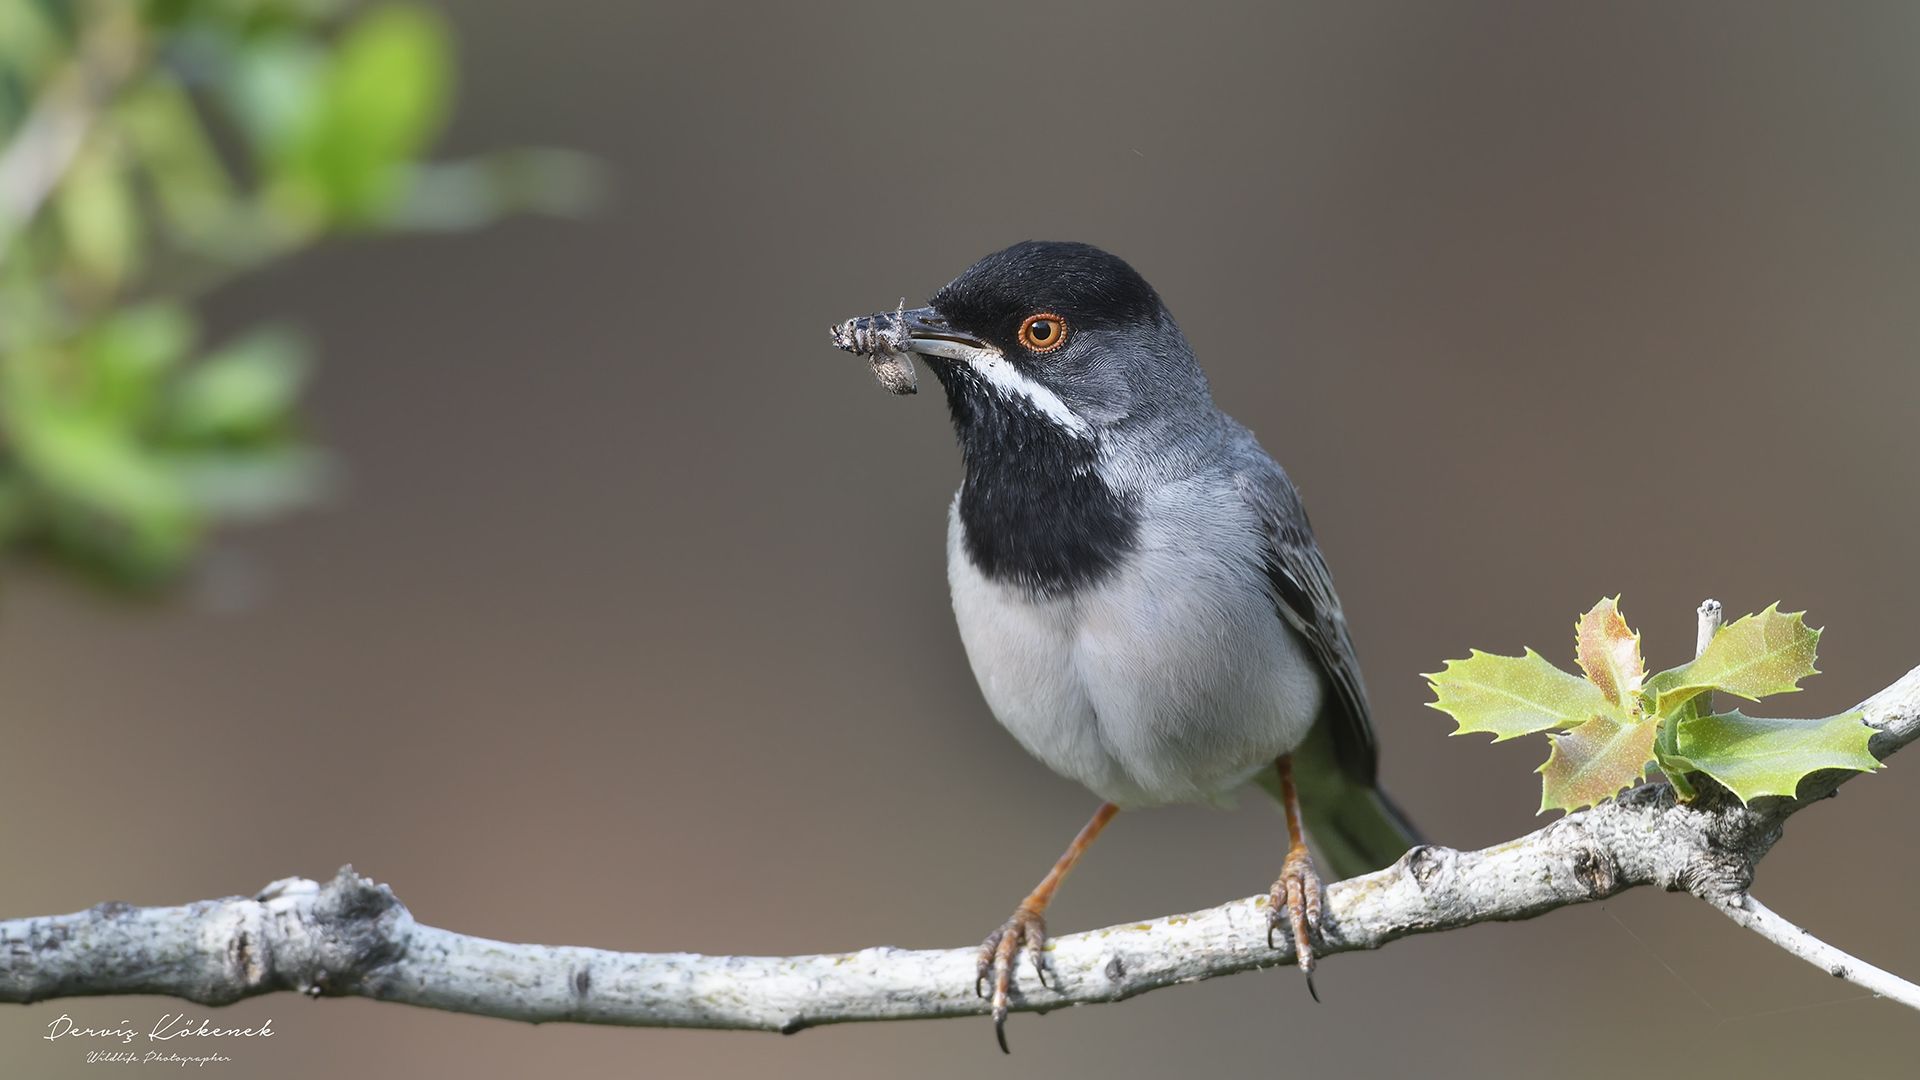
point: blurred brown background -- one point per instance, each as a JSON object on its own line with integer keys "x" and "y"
{"x": 632, "y": 630}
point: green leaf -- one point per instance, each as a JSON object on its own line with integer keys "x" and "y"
{"x": 29, "y": 39}
{"x": 244, "y": 391}
{"x": 192, "y": 188}
{"x": 1762, "y": 654}
{"x": 276, "y": 91}
{"x": 129, "y": 351}
{"x": 1666, "y": 751}
{"x": 1754, "y": 757}
{"x": 386, "y": 97}
{"x": 1610, "y": 655}
{"x": 98, "y": 215}
{"x": 1513, "y": 695}
{"x": 1595, "y": 761}
{"x": 83, "y": 458}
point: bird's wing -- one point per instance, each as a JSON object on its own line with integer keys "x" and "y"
{"x": 1355, "y": 827}
{"x": 1303, "y": 593}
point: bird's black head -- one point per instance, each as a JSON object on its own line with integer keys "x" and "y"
{"x": 1068, "y": 382}
{"x": 1033, "y": 299}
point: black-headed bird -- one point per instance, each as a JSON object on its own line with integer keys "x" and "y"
{"x": 1135, "y": 581}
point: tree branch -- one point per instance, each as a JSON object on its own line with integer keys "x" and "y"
{"x": 352, "y": 936}
{"x": 1756, "y": 917}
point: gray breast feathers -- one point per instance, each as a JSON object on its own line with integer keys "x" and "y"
{"x": 1172, "y": 680}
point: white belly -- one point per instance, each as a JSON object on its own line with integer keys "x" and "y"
{"x": 1172, "y": 681}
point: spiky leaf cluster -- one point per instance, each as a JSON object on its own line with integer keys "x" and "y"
{"x": 1610, "y": 726}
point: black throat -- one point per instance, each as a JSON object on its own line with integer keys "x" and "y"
{"x": 1033, "y": 508}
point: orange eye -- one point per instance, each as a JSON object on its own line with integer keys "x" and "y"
{"x": 1043, "y": 332}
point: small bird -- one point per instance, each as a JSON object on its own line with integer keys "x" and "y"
{"x": 1135, "y": 581}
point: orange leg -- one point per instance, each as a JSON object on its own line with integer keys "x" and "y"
{"x": 1296, "y": 896}
{"x": 1029, "y": 927}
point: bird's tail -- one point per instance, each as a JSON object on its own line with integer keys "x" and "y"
{"x": 1354, "y": 827}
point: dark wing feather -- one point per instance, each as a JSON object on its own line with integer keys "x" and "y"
{"x": 1303, "y": 592}
{"x": 1355, "y": 827}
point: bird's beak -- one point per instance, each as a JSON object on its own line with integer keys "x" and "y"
{"x": 929, "y": 334}
{"x": 889, "y": 338}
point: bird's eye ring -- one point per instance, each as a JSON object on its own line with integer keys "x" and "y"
{"x": 1043, "y": 333}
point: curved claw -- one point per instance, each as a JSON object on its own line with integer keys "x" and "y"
{"x": 997, "y": 955}
{"x": 1296, "y": 899}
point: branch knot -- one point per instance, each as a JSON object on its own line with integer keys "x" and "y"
{"x": 338, "y": 938}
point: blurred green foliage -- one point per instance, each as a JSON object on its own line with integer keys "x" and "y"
{"x": 150, "y": 150}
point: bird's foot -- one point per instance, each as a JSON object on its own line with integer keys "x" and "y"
{"x": 1295, "y": 905}
{"x": 998, "y": 955}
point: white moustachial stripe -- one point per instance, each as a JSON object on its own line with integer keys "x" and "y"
{"x": 998, "y": 372}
